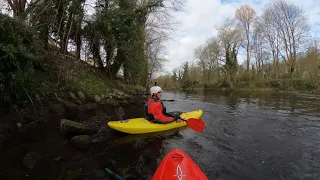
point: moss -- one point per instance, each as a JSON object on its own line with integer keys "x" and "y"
{"x": 92, "y": 85}
{"x": 131, "y": 87}
{"x": 81, "y": 141}
{"x": 71, "y": 127}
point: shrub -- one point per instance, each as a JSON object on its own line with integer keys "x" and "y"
{"x": 17, "y": 53}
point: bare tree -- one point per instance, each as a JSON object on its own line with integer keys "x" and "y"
{"x": 271, "y": 36}
{"x": 231, "y": 38}
{"x": 214, "y": 47}
{"x": 245, "y": 14}
{"x": 159, "y": 23}
{"x": 155, "y": 54}
{"x": 208, "y": 56}
{"x": 259, "y": 48}
{"x": 290, "y": 22}
{"x": 198, "y": 54}
{"x": 22, "y": 8}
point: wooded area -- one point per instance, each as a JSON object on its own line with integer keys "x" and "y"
{"x": 123, "y": 39}
{"x": 114, "y": 32}
{"x": 280, "y": 52}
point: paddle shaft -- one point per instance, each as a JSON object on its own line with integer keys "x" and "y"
{"x": 164, "y": 100}
{"x": 114, "y": 174}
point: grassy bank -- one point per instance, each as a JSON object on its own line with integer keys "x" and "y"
{"x": 279, "y": 85}
{"x": 272, "y": 85}
{"x": 71, "y": 80}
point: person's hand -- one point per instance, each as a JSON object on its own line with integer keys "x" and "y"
{"x": 180, "y": 120}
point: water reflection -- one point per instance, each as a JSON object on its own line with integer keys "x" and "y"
{"x": 139, "y": 155}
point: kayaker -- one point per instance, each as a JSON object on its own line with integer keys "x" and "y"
{"x": 155, "y": 110}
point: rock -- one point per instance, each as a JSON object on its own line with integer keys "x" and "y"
{"x": 118, "y": 95}
{"x": 38, "y": 99}
{"x": 29, "y": 119}
{"x": 130, "y": 177}
{"x": 120, "y": 112}
{"x": 56, "y": 108}
{"x": 81, "y": 95}
{"x": 112, "y": 102}
{"x": 97, "y": 98}
{"x": 124, "y": 102}
{"x": 131, "y": 91}
{"x": 74, "y": 175}
{"x": 100, "y": 136}
{"x": 71, "y": 127}
{"x": 98, "y": 174}
{"x": 137, "y": 90}
{"x": 30, "y": 160}
{"x": 72, "y": 110}
{"x": 70, "y": 104}
{"x": 73, "y": 96}
{"x": 102, "y": 96}
{"x": 81, "y": 141}
{"x": 58, "y": 98}
{"x": 91, "y": 106}
{"x": 121, "y": 84}
{"x": 57, "y": 158}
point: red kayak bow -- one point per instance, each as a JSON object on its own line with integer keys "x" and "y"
{"x": 177, "y": 165}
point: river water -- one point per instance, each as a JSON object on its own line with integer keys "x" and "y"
{"x": 252, "y": 136}
{"x": 247, "y": 136}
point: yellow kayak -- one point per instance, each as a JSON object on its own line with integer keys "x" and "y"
{"x": 142, "y": 125}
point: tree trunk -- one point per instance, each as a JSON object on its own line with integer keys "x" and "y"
{"x": 119, "y": 59}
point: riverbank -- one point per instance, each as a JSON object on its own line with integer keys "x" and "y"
{"x": 59, "y": 119}
{"x": 55, "y": 108}
{"x": 61, "y": 125}
{"x": 65, "y": 131}
{"x": 279, "y": 85}
{"x": 63, "y": 85}
{"x": 64, "y": 142}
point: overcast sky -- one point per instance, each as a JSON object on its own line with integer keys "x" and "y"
{"x": 201, "y": 17}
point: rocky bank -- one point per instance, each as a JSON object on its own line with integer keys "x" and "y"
{"x": 75, "y": 128}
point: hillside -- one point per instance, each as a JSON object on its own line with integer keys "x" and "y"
{"x": 34, "y": 76}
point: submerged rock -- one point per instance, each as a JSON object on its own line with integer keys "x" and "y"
{"x": 71, "y": 127}
{"x": 100, "y": 136}
{"x": 81, "y": 141}
{"x": 74, "y": 174}
{"x": 30, "y": 160}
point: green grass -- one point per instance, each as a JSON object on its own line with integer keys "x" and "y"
{"x": 92, "y": 85}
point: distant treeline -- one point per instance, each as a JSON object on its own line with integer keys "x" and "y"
{"x": 280, "y": 50}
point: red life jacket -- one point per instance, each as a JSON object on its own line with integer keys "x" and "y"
{"x": 163, "y": 118}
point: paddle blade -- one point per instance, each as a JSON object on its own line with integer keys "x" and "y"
{"x": 196, "y": 124}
